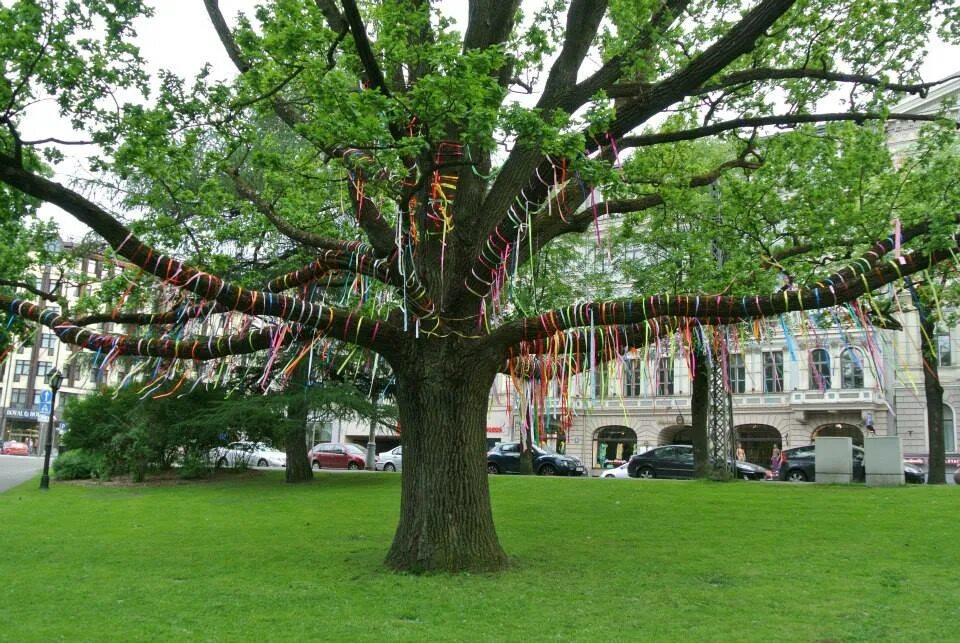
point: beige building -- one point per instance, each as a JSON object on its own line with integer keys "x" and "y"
{"x": 24, "y": 375}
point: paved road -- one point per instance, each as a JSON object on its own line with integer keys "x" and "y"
{"x": 17, "y": 469}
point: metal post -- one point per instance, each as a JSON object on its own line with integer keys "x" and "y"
{"x": 721, "y": 424}
{"x": 55, "y": 378}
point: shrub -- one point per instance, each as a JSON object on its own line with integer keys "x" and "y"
{"x": 79, "y": 464}
{"x": 194, "y": 466}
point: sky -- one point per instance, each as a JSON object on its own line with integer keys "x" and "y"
{"x": 180, "y": 38}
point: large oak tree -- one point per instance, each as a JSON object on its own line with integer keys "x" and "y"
{"x": 385, "y": 141}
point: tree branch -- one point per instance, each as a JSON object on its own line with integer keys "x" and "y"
{"x": 760, "y": 121}
{"x": 30, "y": 288}
{"x": 335, "y": 19}
{"x": 362, "y": 43}
{"x": 583, "y": 20}
{"x": 841, "y": 287}
{"x": 739, "y": 40}
{"x": 770, "y": 73}
{"x": 378, "y": 336}
{"x": 226, "y": 38}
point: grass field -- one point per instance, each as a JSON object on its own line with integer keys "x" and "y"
{"x": 251, "y": 558}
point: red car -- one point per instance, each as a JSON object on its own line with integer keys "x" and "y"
{"x": 12, "y": 447}
{"x": 335, "y": 455}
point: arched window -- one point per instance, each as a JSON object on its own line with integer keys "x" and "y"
{"x": 819, "y": 369}
{"x": 614, "y": 445}
{"x": 851, "y": 369}
{"x": 949, "y": 430}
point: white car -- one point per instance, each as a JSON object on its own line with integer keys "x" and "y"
{"x": 248, "y": 454}
{"x": 391, "y": 460}
{"x": 616, "y": 472}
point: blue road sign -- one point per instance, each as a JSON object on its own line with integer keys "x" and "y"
{"x": 46, "y": 397}
{"x": 44, "y": 408}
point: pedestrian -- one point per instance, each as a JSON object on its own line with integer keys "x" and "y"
{"x": 775, "y": 460}
{"x": 741, "y": 454}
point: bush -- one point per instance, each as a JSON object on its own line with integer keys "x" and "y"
{"x": 79, "y": 464}
{"x": 194, "y": 466}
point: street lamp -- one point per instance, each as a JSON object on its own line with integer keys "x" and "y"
{"x": 55, "y": 378}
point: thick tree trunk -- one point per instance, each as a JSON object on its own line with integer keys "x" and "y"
{"x": 699, "y": 412}
{"x": 933, "y": 394}
{"x": 446, "y": 523}
{"x": 298, "y": 467}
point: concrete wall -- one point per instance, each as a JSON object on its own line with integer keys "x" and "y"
{"x": 834, "y": 464}
{"x": 883, "y": 460}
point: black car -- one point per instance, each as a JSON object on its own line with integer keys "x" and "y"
{"x": 799, "y": 465}
{"x": 676, "y": 461}
{"x": 505, "y": 458}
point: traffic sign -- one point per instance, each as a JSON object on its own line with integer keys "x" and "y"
{"x": 44, "y": 408}
{"x": 46, "y": 397}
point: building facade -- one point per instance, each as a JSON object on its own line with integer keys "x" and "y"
{"x": 25, "y": 371}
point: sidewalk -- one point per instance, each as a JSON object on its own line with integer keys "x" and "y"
{"x": 17, "y": 469}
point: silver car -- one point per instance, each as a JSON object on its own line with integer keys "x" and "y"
{"x": 248, "y": 454}
{"x": 391, "y": 460}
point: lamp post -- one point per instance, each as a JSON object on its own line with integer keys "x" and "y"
{"x": 55, "y": 378}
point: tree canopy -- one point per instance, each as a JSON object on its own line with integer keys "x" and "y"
{"x": 429, "y": 165}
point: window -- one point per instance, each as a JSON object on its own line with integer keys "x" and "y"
{"x": 943, "y": 346}
{"x": 597, "y": 381}
{"x": 851, "y": 369}
{"x": 71, "y": 373}
{"x": 772, "y": 372}
{"x": 64, "y": 398}
{"x": 819, "y": 369}
{"x": 18, "y": 398}
{"x": 632, "y": 380}
{"x": 949, "y": 430}
{"x": 736, "y": 373}
{"x": 36, "y": 399}
{"x": 665, "y": 376}
{"x": 21, "y": 367}
{"x": 43, "y": 369}
{"x": 48, "y": 342}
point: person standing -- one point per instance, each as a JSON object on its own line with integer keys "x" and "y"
{"x": 775, "y": 461}
{"x": 741, "y": 454}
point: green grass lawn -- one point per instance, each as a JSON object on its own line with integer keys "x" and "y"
{"x": 256, "y": 559}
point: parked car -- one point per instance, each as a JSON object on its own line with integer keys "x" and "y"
{"x": 799, "y": 465}
{"x": 676, "y": 461}
{"x": 616, "y": 472}
{"x": 248, "y": 454}
{"x": 912, "y": 474}
{"x": 505, "y": 458}
{"x": 391, "y": 460}
{"x": 12, "y": 447}
{"x": 337, "y": 455}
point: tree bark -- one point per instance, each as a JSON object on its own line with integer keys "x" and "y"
{"x": 446, "y": 523}
{"x": 298, "y": 467}
{"x": 933, "y": 393}
{"x": 699, "y": 412}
